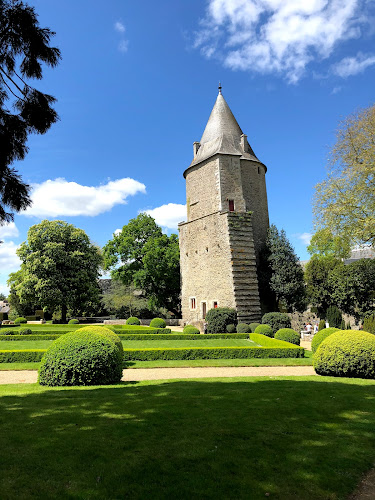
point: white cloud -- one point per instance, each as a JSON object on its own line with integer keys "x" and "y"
{"x": 305, "y": 238}
{"x": 59, "y": 197}
{"x": 350, "y": 66}
{"x": 9, "y": 262}
{"x": 117, "y": 231}
{"x": 119, "y": 26}
{"x": 123, "y": 46}
{"x": 123, "y": 43}
{"x": 9, "y": 231}
{"x": 277, "y": 36}
{"x": 169, "y": 215}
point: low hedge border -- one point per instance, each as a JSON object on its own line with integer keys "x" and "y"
{"x": 183, "y": 336}
{"x": 22, "y": 356}
{"x": 30, "y": 337}
{"x": 265, "y": 341}
{"x": 125, "y": 331}
{"x": 212, "y": 353}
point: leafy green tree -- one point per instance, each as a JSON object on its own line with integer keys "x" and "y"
{"x": 29, "y": 306}
{"x": 318, "y": 287}
{"x": 2, "y": 296}
{"x": 345, "y": 201}
{"x": 143, "y": 256}
{"x": 124, "y": 301}
{"x": 287, "y": 281}
{"x": 24, "y": 46}
{"x": 60, "y": 268}
{"x": 353, "y": 287}
{"x": 325, "y": 244}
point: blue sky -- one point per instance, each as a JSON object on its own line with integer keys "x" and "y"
{"x": 136, "y": 86}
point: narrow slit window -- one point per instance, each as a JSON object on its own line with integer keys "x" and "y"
{"x": 231, "y": 205}
{"x": 215, "y": 305}
{"x": 192, "y": 303}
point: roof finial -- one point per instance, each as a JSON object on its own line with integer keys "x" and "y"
{"x": 220, "y": 88}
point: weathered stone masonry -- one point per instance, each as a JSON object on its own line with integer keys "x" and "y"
{"x": 227, "y": 222}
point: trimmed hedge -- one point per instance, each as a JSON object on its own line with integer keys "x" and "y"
{"x": 158, "y": 323}
{"x": 230, "y": 328}
{"x": 218, "y": 318}
{"x": 346, "y": 353}
{"x": 264, "y": 330}
{"x": 213, "y": 353}
{"x": 108, "y": 333}
{"x": 243, "y": 328}
{"x": 24, "y": 331}
{"x": 22, "y": 355}
{"x": 288, "y": 335}
{"x": 191, "y": 330}
{"x": 30, "y": 337}
{"x": 73, "y": 322}
{"x": 60, "y": 331}
{"x": 276, "y": 320}
{"x": 185, "y": 336}
{"x": 320, "y": 336}
{"x": 20, "y": 320}
{"x": 253, "y": 326}
{"x": 81, "y": 358}
{"x": 265, "y": 341}
{"x": 133, "y": 321}
{"x": 7, "y": 331}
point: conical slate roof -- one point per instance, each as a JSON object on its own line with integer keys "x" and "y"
{"x": 222, "y": 135}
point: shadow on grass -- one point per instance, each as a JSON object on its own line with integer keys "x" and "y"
{"x": 292, "y": 438}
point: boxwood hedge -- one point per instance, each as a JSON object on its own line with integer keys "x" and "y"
{"x": 320, "y": 336}
{"x": 264, "y": 330}
{"x": 346, "y": 353}
{"x": 21, "y": 355}
{"x": 289, "y": 335}
{"x": 81, "y": 358}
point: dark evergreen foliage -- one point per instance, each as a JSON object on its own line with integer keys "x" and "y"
{"x": 334, "y": 317}
{"x": 218, "y": 319}
{"x": 24, "y": 46}
{"x": 287, "y": 280}
{"x": 276, "y": 320}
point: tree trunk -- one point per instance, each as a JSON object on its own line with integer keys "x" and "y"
{"x": 63, "y": 313}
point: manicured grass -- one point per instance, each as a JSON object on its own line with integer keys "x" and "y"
{"x": 305, "y": 438}
{"x": 19, "y": 366}
{"x": 135, "y": 344}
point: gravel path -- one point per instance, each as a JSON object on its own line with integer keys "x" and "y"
{"x": 31, "y": 376}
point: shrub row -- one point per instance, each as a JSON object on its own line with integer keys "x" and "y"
{"x": 265, "y": 341}
{"x": 30, "y": 337}
{"x": 127, "y": 331}
{"x": 213, "y": 353}
{"x": 21, "y": 356}
{"x": 184, "y": 336}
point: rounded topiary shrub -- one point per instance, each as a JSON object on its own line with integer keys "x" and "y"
{"x": 24, "y": 331}
{"x": 253, "y": 326}
{"x": 346, "y": 353}
{"x": 73, "y": 322}
{"x": 231, "y": 328}
{"x": 320, "y": 336}
{"x": 158, "y": 323}
{"x": 81, "y": 358}
{"x": 276, "y": 320}
{"x": 218, "y": 319}
{"x": 243, "y": 328}
{"x": 20, "y": 321}
{"x": 7, "y": 331}
{"x": 133, "y": 321}
{"x": 264, "y": 330}
{"x": 108, "y": 333}
{"x": 191, "y": 330}
{"x": 288, "y": 335}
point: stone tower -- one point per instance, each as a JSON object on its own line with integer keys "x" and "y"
{"x": 227, "y": 221}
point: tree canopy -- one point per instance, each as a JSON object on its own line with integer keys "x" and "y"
{"x": 325, "y": 244}
{"x": 143, "y": 256}
{"x": 24, "y": 47}
{"x": 286, "y": 281}
{"x": 60, "y": 268}
{"x": 345, "y": 201}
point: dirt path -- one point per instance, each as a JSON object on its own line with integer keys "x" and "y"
{"x": 31, "y": 376}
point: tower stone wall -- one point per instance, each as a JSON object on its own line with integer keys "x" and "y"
{"x": 227, "y": 222}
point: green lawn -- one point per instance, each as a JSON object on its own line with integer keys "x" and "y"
{"x": 134, "y": 344}
{"x": 303, "y": 438}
